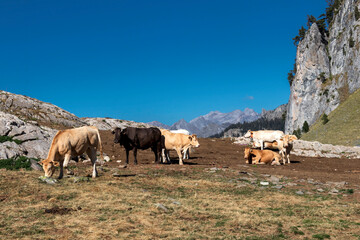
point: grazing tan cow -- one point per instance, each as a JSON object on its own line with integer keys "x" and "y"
{"x": 254, "y": 156}
{"x": 259, "y": 137}
{"x": 284, "y": 145}
{"x": 72, "y": 142}
{"x": 179, "y": 142}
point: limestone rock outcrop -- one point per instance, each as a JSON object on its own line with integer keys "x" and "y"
{"x": 327, "y": 70}
{"x": 24, "y": 138}
{"x": 31, "y": 109}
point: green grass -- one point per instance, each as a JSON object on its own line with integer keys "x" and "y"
{"x": 16, "y": 163}
{"x": 9, "y": 139}
{"x": 343, "y": 127}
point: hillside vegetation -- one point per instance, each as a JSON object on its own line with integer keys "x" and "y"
{"x": 343, "y": 127}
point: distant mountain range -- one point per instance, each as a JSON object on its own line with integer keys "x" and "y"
{"x": 215, "y": 122}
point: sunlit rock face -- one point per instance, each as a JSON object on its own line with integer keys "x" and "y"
{"x": 335, "y": 58}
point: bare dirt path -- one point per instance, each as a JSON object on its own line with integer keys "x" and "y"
{"x": 222, "y": 153}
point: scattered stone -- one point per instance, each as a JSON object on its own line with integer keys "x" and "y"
{"x": 80, "y": 179}
{"x": 107, "y": 159}
{"x": 174, "y": 201}
{"x": 334, "y": 191}
{"x": 161, "y": 207}
{"x": 122, "y": 166}
{"x": 320, "y": 190}
{"x": 278, "y": 187}
{"x": 299, "y": 192}
{"x": 337, "y": 184}
{"x": 309, "y": 193}
{"x": 241, "y": 185}
{"x": 118, "y": 161}
{"x": 264, "y": 183}
{"x": 274, "y": 179}
{"x": 48, "y": 180}
{"x": 291, "y": 184}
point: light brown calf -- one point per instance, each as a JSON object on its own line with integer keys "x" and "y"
{"x": 254, "y": 156}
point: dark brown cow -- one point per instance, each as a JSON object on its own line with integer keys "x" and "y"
{"x": 139, "y": 138}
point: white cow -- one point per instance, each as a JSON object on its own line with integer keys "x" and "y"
{"x": 264, "y": 136}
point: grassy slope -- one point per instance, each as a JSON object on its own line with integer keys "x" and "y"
{"x": 343, "y": 127}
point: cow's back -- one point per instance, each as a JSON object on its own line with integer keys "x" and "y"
{"x": 173, "y": 140}
{"x": 142, "y": 138}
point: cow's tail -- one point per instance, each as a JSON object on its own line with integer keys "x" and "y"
{"x": 100, "y": 146}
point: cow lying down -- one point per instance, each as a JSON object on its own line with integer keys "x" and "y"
{"x": 254, "y": 156}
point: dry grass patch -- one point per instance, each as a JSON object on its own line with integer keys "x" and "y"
{"x": 192, "y": 204}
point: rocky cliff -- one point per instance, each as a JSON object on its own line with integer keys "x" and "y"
{"x": 327, "y": 68}
{"x": 31, "y": 109}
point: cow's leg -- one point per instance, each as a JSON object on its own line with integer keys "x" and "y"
{"x": 178, "y": 150}
{"x": 66, "y": 162}
{"x": 262, "y": 144}
{"x": 188, "y": 153}
{"x": 283, "y": 156}
{"x": 135, "y": 153}
{"x": 61, "y": 163}
{"x": 163, "y": 151}
{"x": 288, "y": 157}
{"x": 127, "y": 156}
{"x": 167, "y": 153}
{"x": 154, "y": 149}
{"x": 91, "y": 152}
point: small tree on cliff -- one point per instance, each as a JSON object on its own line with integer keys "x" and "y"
{"x": 297, "y": 133}
{"x": 305, "y": 127}
{"x": 324, "y": 118}
{"x": 299, "y": 37}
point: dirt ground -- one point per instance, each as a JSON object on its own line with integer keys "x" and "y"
{"x": 222, "y": 153}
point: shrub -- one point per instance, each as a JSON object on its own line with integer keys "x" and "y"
{"x": 9, "y": 139}
{"x": 16, "y": 163}
{"x": 305, "y": 127}
{"x": 324, "y": 118}
{"x": 297, "y": 133}
{"x": 322, "y": 77}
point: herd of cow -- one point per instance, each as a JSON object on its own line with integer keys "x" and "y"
{"x": 74, "y": 142}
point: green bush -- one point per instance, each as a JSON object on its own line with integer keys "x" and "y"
{"x": 9, "y": 139}
{"x": 305, "y": 127}
{"x": 17, "y": 163}
{"x": 324, "y": 118}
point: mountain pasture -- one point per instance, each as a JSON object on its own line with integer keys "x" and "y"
{"x": 214, "y": 195}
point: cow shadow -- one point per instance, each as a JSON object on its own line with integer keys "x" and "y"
{"x": 176, "y": 161}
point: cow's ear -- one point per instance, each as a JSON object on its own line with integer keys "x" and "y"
{"x": 281, "y": 139}
{"x": 190, "y": 137}
{"x": 56, "y": 164}
{"x": 42, "y": 162}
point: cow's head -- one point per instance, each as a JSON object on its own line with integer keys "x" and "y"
{"x": 117, "y": 135}
{"x": 248, "y": 134}
{"x": 247, "y": 152}
{"x": 288, "y": 139}
{"x": 49, "y": 167}
{"x": 193, "y": 141}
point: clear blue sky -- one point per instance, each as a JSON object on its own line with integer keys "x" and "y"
{"x": 151, "y": 60}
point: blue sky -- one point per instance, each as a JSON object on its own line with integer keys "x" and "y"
{"x": 151, "y": 60}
